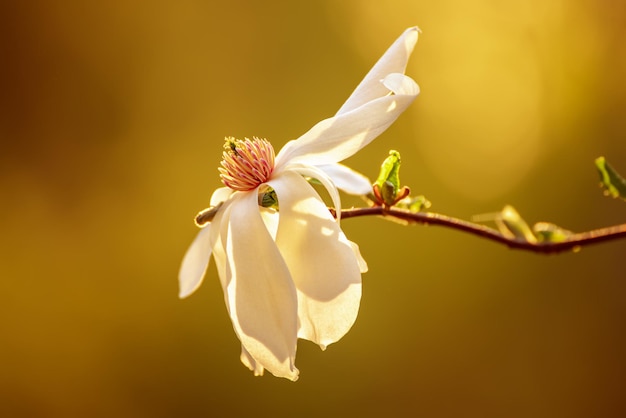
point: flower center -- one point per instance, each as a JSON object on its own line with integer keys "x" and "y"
{"x": 246, "y": 164}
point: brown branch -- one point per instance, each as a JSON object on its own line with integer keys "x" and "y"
{"x": 573, "y": 241}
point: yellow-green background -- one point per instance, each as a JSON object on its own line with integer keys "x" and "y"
{"x": 112, "y": 118}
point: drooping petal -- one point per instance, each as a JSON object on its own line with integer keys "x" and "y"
{"x": 223, "y": 269}
{"x": 219, "y": 233}
{"x": 347, "y": 179}
{"x": 197, "y": 257}
{"x": 394, "y": 60}
{"x": 195, "y": 263}
{"x": 337, "y": 138}
{"x": 321, "y": 260}
{"x": 218, "y": 237}
{"x": 261, "y": 295}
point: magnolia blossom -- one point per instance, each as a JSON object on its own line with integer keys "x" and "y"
{"x": 292, "y": 273}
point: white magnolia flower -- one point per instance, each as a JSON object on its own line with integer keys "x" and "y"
{"x": 292, "y": 273}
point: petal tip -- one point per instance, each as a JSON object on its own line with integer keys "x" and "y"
{"x": 412, "y": 35}
{"x": 188, "y": 284}
{"x": 184, "y": 290}
{"x": 195, "y": 263}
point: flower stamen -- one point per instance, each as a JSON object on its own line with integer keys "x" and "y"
{"x": 246, "y": 163}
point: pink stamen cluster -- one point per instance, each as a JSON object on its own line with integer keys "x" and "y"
{"x": 246, "y": 164}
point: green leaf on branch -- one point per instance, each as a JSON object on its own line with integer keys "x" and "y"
{"x": 414, "y": 204}
{"x": 387, "y": 188}
{"x": 613, "y": 183}
{"x": 512, "y": 225}
{"x": 549, "y": 232}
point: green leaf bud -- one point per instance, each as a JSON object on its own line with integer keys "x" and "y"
{"x": 613, "y": 183}
{"x": 549, "y": 232}
{"x": 512, "y": 225}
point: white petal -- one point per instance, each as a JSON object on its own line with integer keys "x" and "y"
{"x": 321, "y": 261}
{"x": 260, "y": 292}
{"x": 337, "y": 138}
{"x": 250, "y": 362}
{"x": 219, "y": 233}
{"x": 196, "y": 260}
{"x": 360, "y": 259}
{"x": 347, "y": 179}
{"x": 322, "y": 177}
{"x": 195, "y": 263}
{"x": 392, "y": 61}
{"x": 270, "y": 218}
{"x": 221, "y": 195}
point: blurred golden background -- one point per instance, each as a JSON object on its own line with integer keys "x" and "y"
{"x": 112, "y": 118}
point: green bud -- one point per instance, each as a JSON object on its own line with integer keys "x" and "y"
{"x": 387, "y": 188}
{"x": 389, "y": 172}
{"x": 388, "y": 192}
{"x": 268, "y": 199}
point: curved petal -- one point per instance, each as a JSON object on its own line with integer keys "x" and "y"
{"x": 401, "y": 84}
{"x": 337, "y": 138}
{"x": 260, "y": 292}
{"x": 219, "y": 233}
{"x": 195, "y": 263}
{"x": 219, "y": 254}
{"x": 346, "y": 179}
{"x": 322, "y": 177}
{"x": 394, "y": 60}
{"x": 270, "y": 218}
{"x": 197, "y": 257}
{"x": 321, "y": 260}
{"x": 221, "y": 195}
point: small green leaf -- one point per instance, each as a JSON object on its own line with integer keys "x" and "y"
{"x": 414, "y": 204}
{"x": 549, "y": 232}
{"x": 613, "y": 183}
{"x": 512, "y": 225}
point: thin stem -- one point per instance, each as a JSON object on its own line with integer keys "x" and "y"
{"x": 573, "y": 242}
